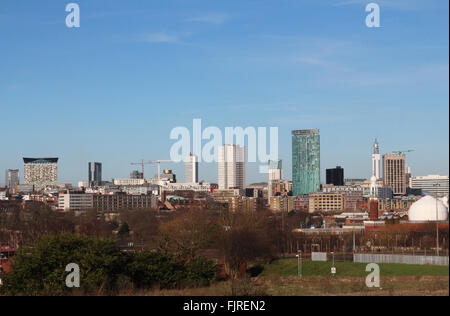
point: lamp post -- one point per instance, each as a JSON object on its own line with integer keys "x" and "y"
{"x": 437, "y": 185}
{"x": 299, "y": 263}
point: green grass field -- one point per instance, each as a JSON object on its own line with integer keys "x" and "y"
{"x": 288, "y": 267}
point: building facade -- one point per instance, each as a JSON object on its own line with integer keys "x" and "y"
{"x": 191, "y": 169}
{"x": 431, "y": 184}
{"x": 115, "y": 202}
{"x": 275, "y": 168}
{"x": 335, "y": 176}
{"x": 231, "y": 167}
{"x": 95, "y": 174}
{"x": 326, "y": 202}
{"x": 11, "y": 178}
{"x": 305, "y": 161}
{"x": 394, "y": 173}
{"x": 40, "y": 172}
{"x": 75, "y": 202}
{"x": 354, "y": 198}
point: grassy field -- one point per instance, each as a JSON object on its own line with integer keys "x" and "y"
{"x": 288, "y": 267}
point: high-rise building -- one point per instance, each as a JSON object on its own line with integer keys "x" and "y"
{"x": 394, "y": 173}
{"x": 376, "y": 159}
{"x": 305, "y": 161}
{"x": 275, "y": 168}
{"x": 335, "y": 176}
{"x": 40, "y": 172}
{"x": 191, "y": 169}
{"x": 231, "y": 167}
{"x": 11, "y": 178}
{"x": 95, "y": 174}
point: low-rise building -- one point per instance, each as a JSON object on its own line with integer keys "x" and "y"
{"x": 353, "y": 195}
{"x": 223, "y": 196}
{"x": 77, "y": 201}
{"x": 120, "y": 201}
{"x": 326, "y": 202}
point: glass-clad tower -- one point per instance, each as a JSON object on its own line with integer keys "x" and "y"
{"x": 305, "y": 161}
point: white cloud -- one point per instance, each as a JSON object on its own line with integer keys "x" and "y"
{"x": 159, "y": 38}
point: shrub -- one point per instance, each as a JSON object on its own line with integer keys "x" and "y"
{"x": 40, "y": 269}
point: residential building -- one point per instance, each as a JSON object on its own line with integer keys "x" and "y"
{"x": 95, "y": 174}
{"x": 305, "y": 161}
{"x": 243, "y": 203}
{"x": 11, "y": 178}
{"x": 231, "y": 167}
{"x": 191, "y": 169}
{"x": 335, "y": 176}
{"x": 394, "y": 173}
{"x": 275, "y": 168}
{"x": 223, "y": 196}
{"x": 40, "y": 172}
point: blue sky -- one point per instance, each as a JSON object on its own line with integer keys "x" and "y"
{"x": 113, "y": 89}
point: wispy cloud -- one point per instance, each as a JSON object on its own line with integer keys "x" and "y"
{"x": 215, "y": 18}
{"x": 159, "y": 38}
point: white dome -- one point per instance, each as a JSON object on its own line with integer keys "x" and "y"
{"x": 424, "y": 210}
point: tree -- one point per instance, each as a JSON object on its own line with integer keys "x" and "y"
{"x": 124, "y": 229}
{"x": 245, "y": 236}
{"x": 40, "y": 270}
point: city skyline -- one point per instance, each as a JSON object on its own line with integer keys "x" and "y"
{"x": 311, "y": 65}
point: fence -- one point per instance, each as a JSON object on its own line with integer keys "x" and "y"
{"x": 405, "y": 259}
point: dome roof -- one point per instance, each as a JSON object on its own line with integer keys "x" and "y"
{"x": 424, "y": 210}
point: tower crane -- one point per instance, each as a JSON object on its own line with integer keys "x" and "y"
{"x": 142, "y": 164}
{"x": 151, "y": 162}
{"x": 158, "y": 162}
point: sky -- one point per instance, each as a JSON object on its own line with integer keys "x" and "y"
{"x": 113, "y": 89}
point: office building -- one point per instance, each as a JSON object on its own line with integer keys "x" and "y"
{"x": 335, "y": 176}
{"x": 326, "y": 202}
{"x": 305, "y": 161}
{"x": 75, "y": 201}
{"x": 191, "y": 169}
{"x": 394, "y": 173}
{"x": 120, "y": 201}
{"x": 11, "y": 179}
{"x": 95, "y": 174}
{"x": 231, "y": 167}
{"x": 354, "y": 195}
{"x": 40, "y": 172}
{"x": 431, "y": 184}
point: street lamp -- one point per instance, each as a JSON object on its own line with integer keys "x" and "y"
{"x": 437, "y": 185}
{"x": 299, "y": 263}
{"x": 333, "y": 268}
